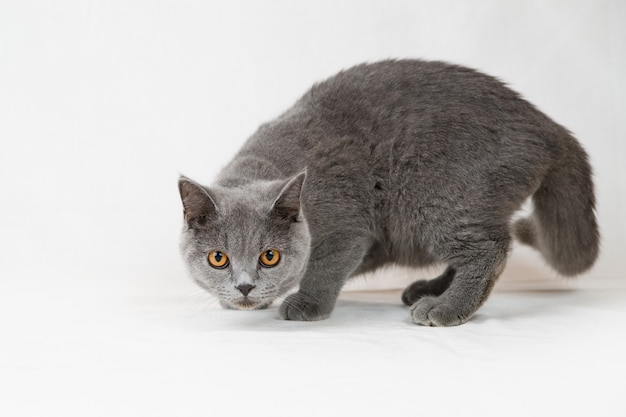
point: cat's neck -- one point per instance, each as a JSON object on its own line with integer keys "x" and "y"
{"x": 246, "y": 169}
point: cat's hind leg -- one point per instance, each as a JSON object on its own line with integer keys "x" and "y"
{"x": 477, "y": 265}
{"x": 433, "y": 287}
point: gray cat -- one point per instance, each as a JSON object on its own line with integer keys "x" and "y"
{"x": 401, "y": 161}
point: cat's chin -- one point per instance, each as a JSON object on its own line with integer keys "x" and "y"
{"x": 245, "y": 304}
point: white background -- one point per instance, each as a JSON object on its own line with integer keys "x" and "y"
{"x": 104, "y": 103}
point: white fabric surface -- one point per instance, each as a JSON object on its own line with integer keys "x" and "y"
{"x": 91, "y": 353}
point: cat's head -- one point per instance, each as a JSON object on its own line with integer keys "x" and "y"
{"x": 246, "y": 245}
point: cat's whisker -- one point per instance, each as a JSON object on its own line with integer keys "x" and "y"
{"x": 200, "y": 300}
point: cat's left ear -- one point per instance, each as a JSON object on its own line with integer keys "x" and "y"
{"x": 199, "y": 206}
{"x": 287, "y": 204}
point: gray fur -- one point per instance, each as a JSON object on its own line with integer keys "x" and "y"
{"x": 407, "y": 162}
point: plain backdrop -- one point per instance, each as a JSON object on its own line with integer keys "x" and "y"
{"x": 104, "y": 103}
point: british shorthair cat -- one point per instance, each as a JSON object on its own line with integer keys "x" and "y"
{"x": 401, "y": 161}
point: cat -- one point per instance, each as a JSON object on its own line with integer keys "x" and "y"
{"x": 409, "y": 162}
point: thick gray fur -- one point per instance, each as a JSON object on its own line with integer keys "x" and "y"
{"x": 407, "y": 162}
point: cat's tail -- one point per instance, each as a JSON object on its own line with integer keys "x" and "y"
{"x": 563, "y": 223}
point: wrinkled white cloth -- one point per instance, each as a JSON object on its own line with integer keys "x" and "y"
{"x": 525, "y": 353}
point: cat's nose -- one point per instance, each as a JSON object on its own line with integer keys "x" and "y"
{"x": 245, "y": 288}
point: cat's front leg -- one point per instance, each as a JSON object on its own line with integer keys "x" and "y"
{"x": 304, "y": 307}
{"x": 330, "y": 264}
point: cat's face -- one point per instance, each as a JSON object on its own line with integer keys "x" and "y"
{"x": 245, "y": 245}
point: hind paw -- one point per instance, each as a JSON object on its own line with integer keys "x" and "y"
{"x": 432, "y": 311}
{"x": 415, "y": 291}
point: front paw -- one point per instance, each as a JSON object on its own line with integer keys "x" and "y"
{"x": 432, "y": 311}
{"x": 302, "y": 307}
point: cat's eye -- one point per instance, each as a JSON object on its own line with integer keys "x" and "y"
{"x": 218, "y": 259}
{"x": 269, "y": 258}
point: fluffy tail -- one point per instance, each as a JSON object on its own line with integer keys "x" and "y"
{"x": 563, "y": 224}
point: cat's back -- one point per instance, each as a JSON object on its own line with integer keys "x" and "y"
{"x": 380, "y": 117}
{"x": 391, "y": 79}
{"x": 394, "y": 91}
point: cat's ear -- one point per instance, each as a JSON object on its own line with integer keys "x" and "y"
{"x": 198, "y": 206}
{"x": 287, "y": 204}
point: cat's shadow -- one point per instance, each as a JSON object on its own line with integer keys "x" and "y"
{"x": 363, "y": 310}
{"x": 352, "y": 312}
{"x": 384, "y": 310}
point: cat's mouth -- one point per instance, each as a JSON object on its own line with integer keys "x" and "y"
{"x": 246, "y": 303}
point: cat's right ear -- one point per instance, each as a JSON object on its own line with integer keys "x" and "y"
{"x": 198, "y": 206}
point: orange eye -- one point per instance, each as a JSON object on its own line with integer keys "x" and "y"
{"x": 269, "y": 258}
{"x": 218, "y": 259}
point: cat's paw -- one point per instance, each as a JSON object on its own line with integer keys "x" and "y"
{"x": 415, "y": 291}
{"x": 432, "y": 311}
{"x": 302, "y": 307}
